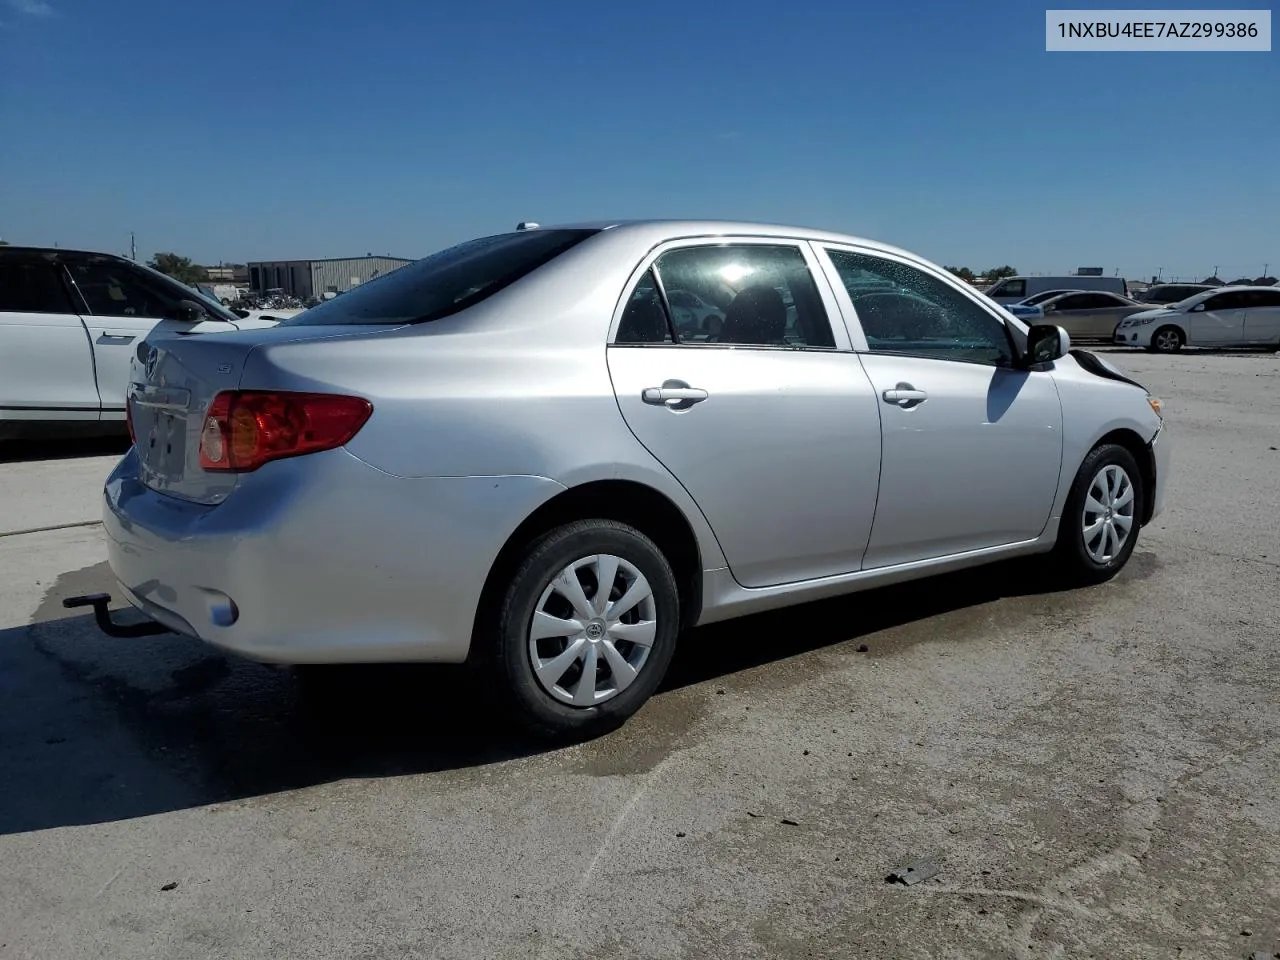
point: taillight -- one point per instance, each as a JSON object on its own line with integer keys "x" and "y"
{"x": 246, "y": 428}
{"x": 128, "y": 419}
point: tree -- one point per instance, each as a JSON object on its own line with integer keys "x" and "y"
{"x": 999, "y": 273}
{"x": 964, "y": 273}
{"x": 180, "y": 268}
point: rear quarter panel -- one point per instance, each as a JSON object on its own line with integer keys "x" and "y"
{"x": 516, "y": 386}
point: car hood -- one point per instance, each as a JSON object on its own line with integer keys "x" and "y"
{"x": 1152, "y": 313}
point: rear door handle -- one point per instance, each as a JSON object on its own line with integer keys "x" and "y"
{"x": 673, "y": 394}
{"x": 905, "y": 395}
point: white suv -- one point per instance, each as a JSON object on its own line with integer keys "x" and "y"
{"x": 70, "y": 322}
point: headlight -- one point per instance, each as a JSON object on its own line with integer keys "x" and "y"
{"x": 1140, "y": 321}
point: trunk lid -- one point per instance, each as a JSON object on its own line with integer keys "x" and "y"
{"x": 173, "y": 379}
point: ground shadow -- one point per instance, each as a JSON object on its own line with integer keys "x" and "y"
{"x": 63, "y": 448}
{"x": 98, "y": 730}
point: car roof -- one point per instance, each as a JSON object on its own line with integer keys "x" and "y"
{"x": 56, "y": 253}
{"x": 662, "y": 230}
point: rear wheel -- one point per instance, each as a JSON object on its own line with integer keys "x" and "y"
{"x": 1167, "y": 340}
{"x": 1099, "y": 526}
{"x": 586, "y": 628}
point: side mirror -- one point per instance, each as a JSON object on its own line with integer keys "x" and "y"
{"x": 189, "y": 312}
{"x": 1046, "y": 343}
{"x": 1198, "y": 308}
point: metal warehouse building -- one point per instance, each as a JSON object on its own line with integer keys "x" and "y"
{"x": 313, "y": 278}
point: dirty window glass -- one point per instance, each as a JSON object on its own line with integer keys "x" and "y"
{"x": 759, "y": 295}
{"x": 644, "y": 320}
{"x": 904, "y": 310}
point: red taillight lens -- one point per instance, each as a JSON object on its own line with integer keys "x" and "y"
{"x": 246, "y": 428}
{"x": 128, "y": 419}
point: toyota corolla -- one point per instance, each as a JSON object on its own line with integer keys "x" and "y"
{"x": 510, "y": 454}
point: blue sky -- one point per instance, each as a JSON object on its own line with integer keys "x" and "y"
{"x": 253, "y": 129}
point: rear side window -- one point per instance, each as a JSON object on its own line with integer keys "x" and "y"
{"x": 444, "y": 283}
{"x": 748, "y": 294}
{"x": 32, "y": 288}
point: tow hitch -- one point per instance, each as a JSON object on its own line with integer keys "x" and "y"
{"x": 99, "y": 602}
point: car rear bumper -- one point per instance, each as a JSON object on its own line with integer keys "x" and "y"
{"x": 317, "y": 559}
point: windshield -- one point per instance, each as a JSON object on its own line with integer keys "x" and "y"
{"x": 445, "y": 282}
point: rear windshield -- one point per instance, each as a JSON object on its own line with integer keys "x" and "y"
{"x": 445, "y": 282}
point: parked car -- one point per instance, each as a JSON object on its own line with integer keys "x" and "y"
{"x": 1089, "y": 315}
{"x": 1015, "y": 289}
{"x": 508, "y": 454}
{"x": 1163, "y": 293}
{"x": 71, "y": 321}
{"x": 1218, "y": 317}
{"x": 1039, "y": 298}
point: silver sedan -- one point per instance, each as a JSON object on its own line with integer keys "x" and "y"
{"x": 1090, "y": 314}
{"x": 508, "y": 453}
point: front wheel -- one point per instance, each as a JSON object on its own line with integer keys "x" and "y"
{"x": 586, "y": 628}
{"x": 1099, "y": 525}
{"x": 1167, "y": 340}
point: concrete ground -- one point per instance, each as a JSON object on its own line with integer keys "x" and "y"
{"x": 1094, "y": 770}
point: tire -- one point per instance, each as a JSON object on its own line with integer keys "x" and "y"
{"x": 1168, "y": 339}
{"x": 1093, "y": 559}
{"x": 539, "y": 705}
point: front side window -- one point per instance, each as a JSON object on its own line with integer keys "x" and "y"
{"x": 444, "y": 283}
{"x": 760, "y": 295}
{"x": 1011, "y": 288}
{"x": 919, "y": 315}
{"x": 32, "y": 288}
{"x": 112, "y": 289}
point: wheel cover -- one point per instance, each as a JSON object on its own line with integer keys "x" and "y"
{"x": 1107, "y": 518}
{"x": 592, "y": 630}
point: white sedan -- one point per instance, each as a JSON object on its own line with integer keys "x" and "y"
{"x": 1221, "y": 317}
{"x": 71, "y": 321}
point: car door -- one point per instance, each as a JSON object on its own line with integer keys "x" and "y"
{"x": 122, "y": 305}
{"x": 972, "y": 447}
{"x": 1074, "y": 312}
{"x": 1262, "y": 317}
{"x": 46, "y": 365}
{"x": 1217, "y": 321}
{"x": 770, "y": 422}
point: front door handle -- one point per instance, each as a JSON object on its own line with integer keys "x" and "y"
{"x": 674, "y": 395}
{"x": 115, "y": 339}
{"x": 905, "y": 395}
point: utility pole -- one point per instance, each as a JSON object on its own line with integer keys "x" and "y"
{"x": 1159, "y": 273}
{"x": 133, "y": 246}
